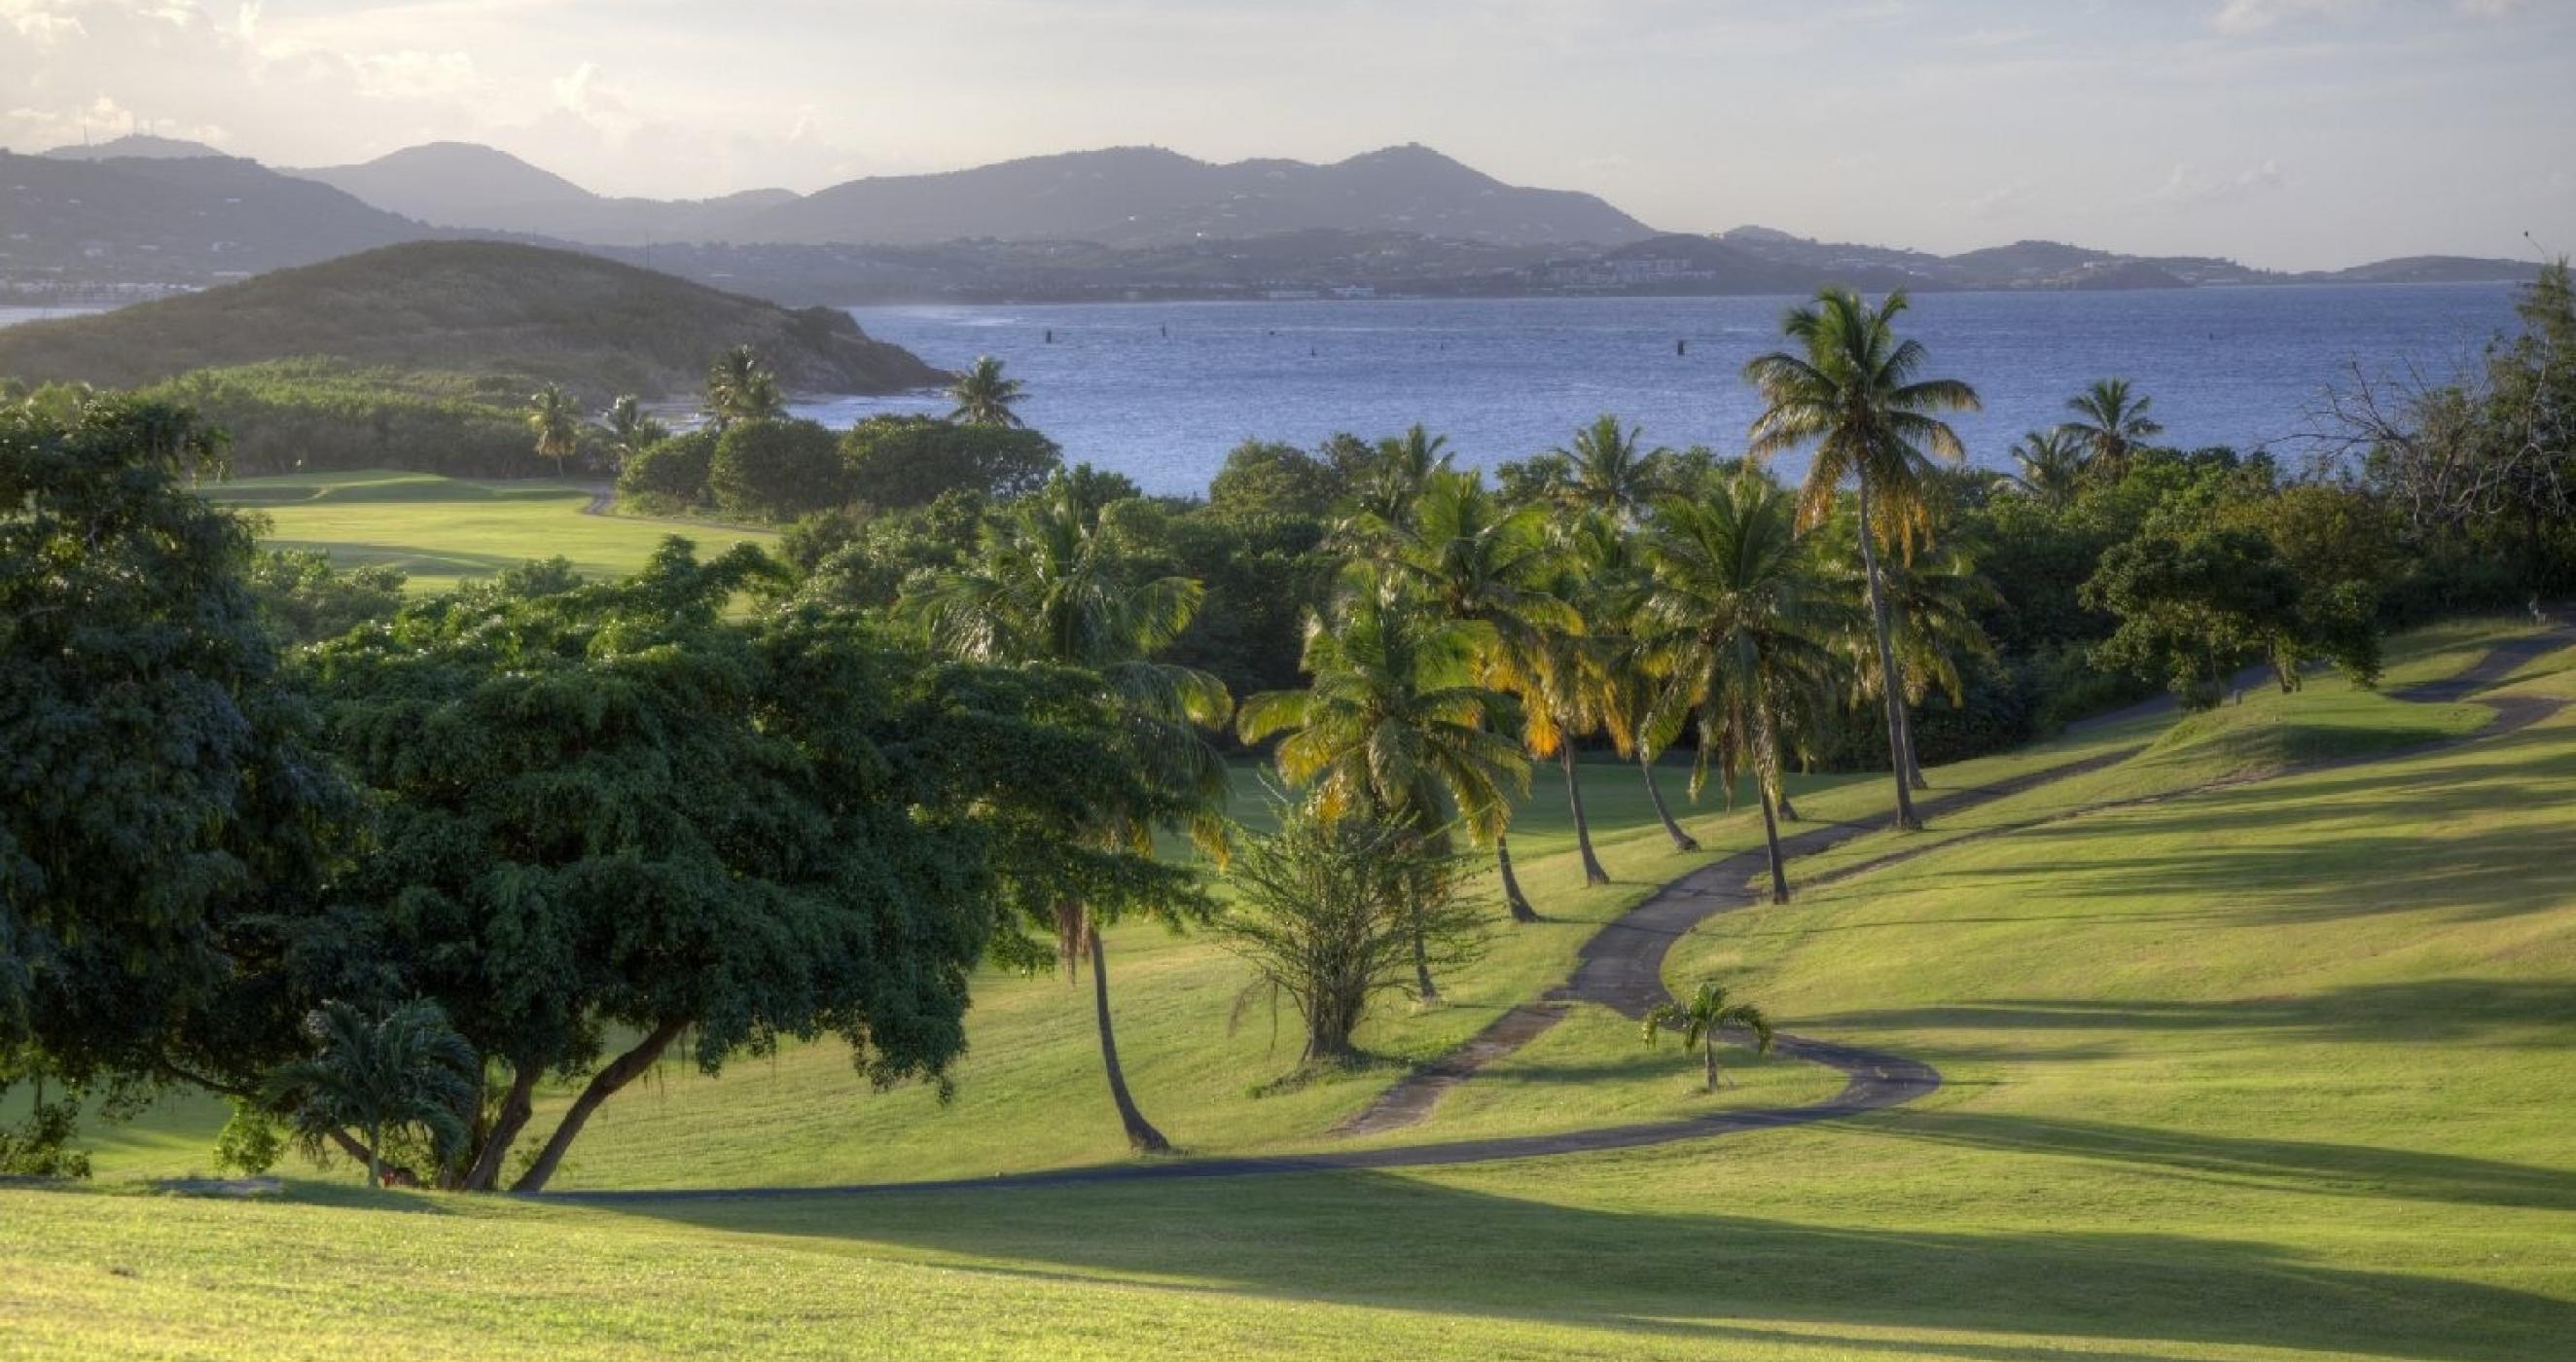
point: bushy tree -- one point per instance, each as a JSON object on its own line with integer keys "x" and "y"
{"x": 1328, "y": 912}
{"x": 776, "y": 470}
{"x": 381, "y": 1077}
{"x": 670, "y": 473}
{"x": 307, "y": 600}
{"x": 895, "y": 462}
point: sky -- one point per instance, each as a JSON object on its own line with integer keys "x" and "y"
{"x": 2283, "y": 133}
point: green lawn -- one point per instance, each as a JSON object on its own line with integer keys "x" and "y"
{"x": 446, "y": 530}
{"x": 2273, "y": 1070}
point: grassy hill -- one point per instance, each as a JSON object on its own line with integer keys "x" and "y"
{"x": 2269, "y": 1067}
{"x": 478, "y": 309}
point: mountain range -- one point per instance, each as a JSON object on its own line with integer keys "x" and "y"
{"x": 145, "y": 214}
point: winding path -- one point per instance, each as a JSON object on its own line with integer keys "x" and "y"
{"x": 1622, "y": 968}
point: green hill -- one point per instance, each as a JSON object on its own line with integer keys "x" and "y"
{"x": 479, "y": 309}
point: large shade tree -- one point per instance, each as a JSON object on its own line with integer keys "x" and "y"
{"x": 616, "y": 814}
{"x": 1051, "y": 584}
{"x": 1854, "y": 391}
{"x": 162, "y": 788}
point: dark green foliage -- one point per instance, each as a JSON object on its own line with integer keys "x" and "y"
{"x": 2193, "y": 605}
{"x": 317, "y": 415}
{"x": 610, "y": 808}
{"x": 1326, "y": 912}
{"x": 159, "y": 791}
{"x": 1263, "y": 479}
{"x": 669, "y": 474}
{"x": 776, "y": 470}
{"x": 901, "y": 461}
{"x": 307, "y": 600}
{"x": 41, "y": 1145}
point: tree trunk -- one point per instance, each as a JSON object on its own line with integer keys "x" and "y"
{"x": 1770, "y": 828}
{"x": 1780, "y": 795}
{"x": 1906, "y": 818}
{"x": 1682, "y": 841}
{"x": 375, "y": 1156}
{"x": 1141, "y": 1135}
{"x": 1913, "y": 764}
{"x": 1512, "y": 897}
{"x": 624, "y": 1069}
{"x": 1425, "y": 992}
{"x": 506, "y": 1125}
{"x": 1708, "y": 1062}
{"x": 1593, "y": 874}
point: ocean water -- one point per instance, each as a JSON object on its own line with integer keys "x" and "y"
{"x": 1160, "y": 391}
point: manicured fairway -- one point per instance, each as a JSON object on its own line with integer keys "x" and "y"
{"x": 2272, "y": 1071}
{"x": 446, "y": 530}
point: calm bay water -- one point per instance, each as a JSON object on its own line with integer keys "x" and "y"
{"x": 1160, "y": 391}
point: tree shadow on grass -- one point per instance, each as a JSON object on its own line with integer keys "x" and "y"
{"x": 411, "y": 558}
{"x": 1385, "y": 1240}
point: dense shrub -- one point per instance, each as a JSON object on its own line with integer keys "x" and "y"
{"x": 900, "y": 461}
{"x": 776, "y": 470}
{"x": 670, "y": 474}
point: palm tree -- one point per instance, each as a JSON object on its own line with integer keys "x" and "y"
{"x": 1393, "y": 726}
{"x": 1699, "y": 1022}
{"x": 405, "y": 1069}
{"x": 741, "y": 388}
{"x": 1935, "y": 601}
{"x": 2050, "y": 466}
{"x": 984, "y": 397}
{"x": 1740, "y": 625}
{"x": 1479, "y": 561}
{"x": 1397, "y": 472}
{"x": 2111, "y": 423}
{"x": 1852, "y": 388}
{"x": 1604, "y": 471}
{"x": 630, "y": 429}
{"x": 1050, "y": 585}
{"x": 555, "y": 420}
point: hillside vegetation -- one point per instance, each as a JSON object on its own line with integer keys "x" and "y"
{"x": 480, "y": 309}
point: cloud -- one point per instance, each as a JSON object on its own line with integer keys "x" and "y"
{"x": 414, "y": 75}
{"x": 2189, "y": 187}
{"x": 2237, "y": 18}
{"x": 2000, "y": 200}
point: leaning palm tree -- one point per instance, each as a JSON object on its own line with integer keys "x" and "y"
{"x": 984, "y": 397}
{"x": 1049, "y": 585}
{"x": 2111, "y": 422}
{"x": 1852, "y": 389}
{"x": 1479, "y": 561}
{"x": 1604, "y": 471}
{"x": 555, "y": 420}
{"x": 741, "y": 388}
{"x": 630, "y": 429}
{"x": 405, "y": 1070}
{"x": 1936, "y": 600}
{"x": 1393, "y": 726}
{"x": 1741, "y": 626}
{"x": 1700, "y": 1021}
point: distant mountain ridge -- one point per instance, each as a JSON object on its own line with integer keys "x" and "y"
{"x": 469, "y": 186}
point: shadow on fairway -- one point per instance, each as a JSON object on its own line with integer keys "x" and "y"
{"x": 1379, "y": 1239}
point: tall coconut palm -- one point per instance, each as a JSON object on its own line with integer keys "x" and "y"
{"x": 1394, "y": 726}
{"x": 2111, "y": 422}
{"x": 1396, "y": 472}
{"x": 1049, "y": 585}
{"x": 1605, "y": 471}
{"x": 1617, "y": 580}
{"x": 1741, "y": 626}
{"x": 379, "y": 1076}
{"x": 1853, "y": 390}
{"x": 1479, "y": 561}
{"x": 984, "y": 397}
{"x": 741, "y": 388}
{"x": 630, "y": 429}
{"x": 555, "y": 420}
{"x": 1700, "y": 1020}
{"x": 1935, "y": 601}
{"x": 2049, "y": 466}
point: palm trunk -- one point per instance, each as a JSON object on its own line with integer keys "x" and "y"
{"x": 1906, "y": 818}
{"x": 624, "y": 1069}
{"x": 1425, "y": 992}
{"x": 1708, "y": 1062}
{"x": 1682, "y": 841}
{"x": 1141, "y": 1135}
{"x": 1593, "y": 874}
{"x": 1770, "y": 828}
{"x": 1913, "y": 764}
{"x": 1779, "y": 787}
{"x": 1512, "y": 896}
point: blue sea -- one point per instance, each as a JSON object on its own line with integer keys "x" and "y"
{"x": 1160, "y": 391}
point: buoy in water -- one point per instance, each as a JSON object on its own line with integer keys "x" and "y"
{"x": 1681, "y": 347}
